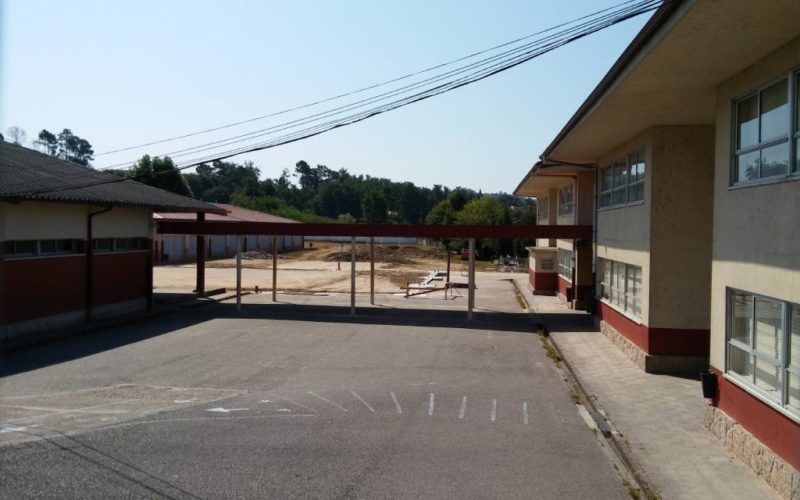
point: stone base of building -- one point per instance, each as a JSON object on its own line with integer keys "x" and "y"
{"x": 653, "y": 363}
{"x": 773, "y": 469}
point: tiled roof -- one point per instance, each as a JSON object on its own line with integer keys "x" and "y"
{"x": 26, "y": 174}
{"x": 235, "y": 214}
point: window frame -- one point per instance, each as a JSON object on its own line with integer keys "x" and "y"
{"x": 565, "y": 263}
{"x": 611, "y": 293}
{"x": 609, "y": 186}
{"x": 791, "y": 137}
{"x": 783, "y": 362}
{"x": 10, "y": 252}
{"x": 566, "y": 206}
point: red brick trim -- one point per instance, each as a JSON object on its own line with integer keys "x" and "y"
{"x": 563, "y": 284}
{"x": 657, "y": 341}
{"x": 541, "y": 281}
{"x": 775, "y": 430}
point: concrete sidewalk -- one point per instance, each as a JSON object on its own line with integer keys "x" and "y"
{"x": 658, "y": 418}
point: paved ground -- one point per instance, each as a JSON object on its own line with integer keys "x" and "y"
{"x": 658, "y": 416}
{"x": 399, "y": 402}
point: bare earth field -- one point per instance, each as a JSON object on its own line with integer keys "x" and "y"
{"x": 318, "y": 269}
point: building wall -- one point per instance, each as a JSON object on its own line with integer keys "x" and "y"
{"x": 756, "y": 249}
{"x": 50, "y": 291}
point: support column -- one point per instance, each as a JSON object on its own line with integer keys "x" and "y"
{"x": 353, "y": 276}
{"x": 274, "y": 269}
{"x": 238, "y": 271}
{"x": 372, "y": 270}
{"x": 200, "y": 287}
{"x": 471, "y": 279}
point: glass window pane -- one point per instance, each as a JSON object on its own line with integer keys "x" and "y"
{"x": 741, "y": 362}
{"x": 775, "y": 160}
{"x": 747, "y": 122}
{"x": 797, "y": 153}
{"x": 767, "y": 377}
{"x": 769, "y": 327}
{"x": 747, "y": 166}
{"x": 794, "y": 341}
{"x": 741, "y": 327}
{"x": 775, "y": 111}
{"x": 605, "y": 200}
{"x": 47, "y": 246}
{"x": 619, "y": 269}
{"x": 794, "y": 390}
{"x": 25, "y": 247}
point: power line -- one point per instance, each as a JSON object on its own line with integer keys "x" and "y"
{"x": 567, "y": 37}
{"x": 361, "y": 90}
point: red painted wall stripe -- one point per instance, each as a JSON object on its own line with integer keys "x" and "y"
{"x": 542, "y": 281}
{"x": 631, "y": 330}
{"x": 778, "y": 432}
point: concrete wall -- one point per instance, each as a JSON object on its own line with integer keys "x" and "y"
{"x": 552, "y": 219}
{"x": 31, "y": 220}
{"x": 756, "y": 229}
{"x": 682, "y": 176}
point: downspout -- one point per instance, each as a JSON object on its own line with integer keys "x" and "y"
{"x": 90, "y": 262}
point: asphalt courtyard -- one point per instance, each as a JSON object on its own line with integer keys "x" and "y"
{"x": 301, "y": 400}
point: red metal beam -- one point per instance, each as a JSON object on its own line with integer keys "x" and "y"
{"x": 393, "y": 230}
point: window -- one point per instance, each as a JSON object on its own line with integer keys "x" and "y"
{"x": 565, "y": 204}
{"x": 565, "y": 263}
{"x": 36, "y": 248}
{"x": 763, "y": 346}
{"x": 119, "y": 244}
{"x": 543, "y": 209}
{"x": 547, "y": 264}
{"x": 763, "y": 131}
{"x": 620, "y": 285}
{"x": 622, "y": 182}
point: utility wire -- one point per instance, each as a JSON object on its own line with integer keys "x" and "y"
{"x": 361, "y": 90}
{"x": 569, "y": 36}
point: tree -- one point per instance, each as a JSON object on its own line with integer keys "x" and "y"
{"x": 47, "y": 142}
{"x": 374, "y": 207}
{"x": 16, "y": 134}
{"x": 161, "y": 173}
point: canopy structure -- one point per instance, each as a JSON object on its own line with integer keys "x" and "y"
{"x": 202, "y": 228}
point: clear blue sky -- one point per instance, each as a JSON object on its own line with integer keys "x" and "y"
{"x": 124, "y": 73}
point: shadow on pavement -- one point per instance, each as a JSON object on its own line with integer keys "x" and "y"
{"x": 80, "y": 345}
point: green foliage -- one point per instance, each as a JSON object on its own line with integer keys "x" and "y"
{"x": 373, "y": 207}
{"x": 161, "y": 173}
{"x": 276, "y": 206}
{"x": 66, "y": 146}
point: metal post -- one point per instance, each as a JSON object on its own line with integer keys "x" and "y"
{"x": 200, "y": 288}
{"x": 372, "y": 270}
{"x": 353, "y": 276}
{"x": 238, "y": 272}
{"x": 471, "y": 279}
{"x": 274, "y": 268}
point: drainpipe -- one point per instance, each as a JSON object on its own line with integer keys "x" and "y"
{"x": 90, "y": 262}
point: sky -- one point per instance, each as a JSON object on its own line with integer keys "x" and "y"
{"x": 125, "y": 73}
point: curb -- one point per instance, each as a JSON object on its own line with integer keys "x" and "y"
{"x": 635, "y": 471}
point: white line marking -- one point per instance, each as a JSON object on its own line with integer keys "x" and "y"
{"x": 220, "y": 409}
{"x": 327, "y": 401}
{"x": 301, "y": 405}
{"x": 396, "y": 403}
{"x": 463, "y": 407}
{"x": 525, "y": 412}
{"x": 5, "y": 430}
{"x": 431, "y": 402}
{"x": 362, "y": 400}
{"x": 186, "y": 400}
{"x": 494, "y": 410}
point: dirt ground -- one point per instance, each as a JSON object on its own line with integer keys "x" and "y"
{"x": 317, "y": 269}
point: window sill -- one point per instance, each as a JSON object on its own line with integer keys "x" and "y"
{"x": 41, "y": 257}
{"x": 759, "y": 394}
{"x": 766, "y": 182}
{"x": 623, "y": 205}
{"x": 628, "y": 315}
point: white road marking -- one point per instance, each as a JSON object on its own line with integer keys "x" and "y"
{"x": 284, "y": 410}
{"x": 463, "y": 407}
{"x": 264, "y": 401}
{"x": 60, "y": 411}
{"x": 301, "y": 405}
{"x": 220, "y": 409}
{"x": 431, "y": 402}
{"x": 327, "y": 401}
{"x": 525, "y": 412}
{"x": 362, "y": 400}
{"x": 186, "y": 400}
{"x": 494, "y": 410}
{"x": 396, "y": 403}
{"x": 5, "y": 430}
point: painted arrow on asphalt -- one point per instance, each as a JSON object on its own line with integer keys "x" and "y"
{"x": 219, "y": 409}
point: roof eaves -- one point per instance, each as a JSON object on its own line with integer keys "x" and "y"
{"x": 648, "y": 31}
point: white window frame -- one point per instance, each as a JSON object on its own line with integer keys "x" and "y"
{"x": 616, "y": 294}
{"x": 608, "y": 191}
{"x": 566, "y": 201}
{"x": 565, "y": 263}
{"x": 791, "y": 137}
{"x": 543, "y": 208}
{"x": 782, "y": 362}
